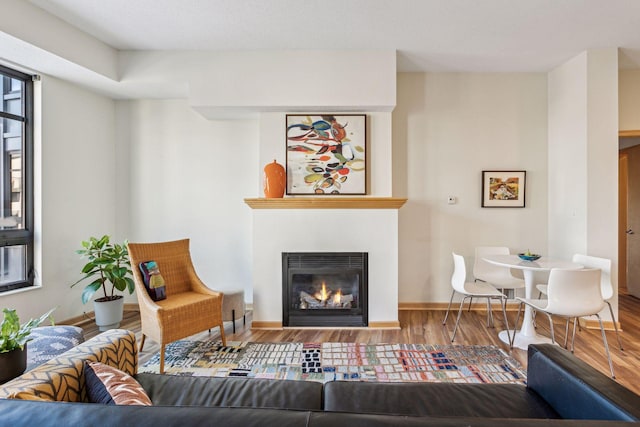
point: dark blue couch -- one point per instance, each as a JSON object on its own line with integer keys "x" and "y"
{"x": 562, "y": 390}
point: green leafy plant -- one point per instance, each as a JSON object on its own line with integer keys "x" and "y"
{"x": 108, "y": 267}
{"x": 13, "y": 335}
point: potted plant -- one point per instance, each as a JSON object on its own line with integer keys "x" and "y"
{"x": 13, "y": 343}
{"x": 109, "y": 269}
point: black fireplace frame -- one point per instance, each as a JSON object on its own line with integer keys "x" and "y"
{"x": 316, "y": 263}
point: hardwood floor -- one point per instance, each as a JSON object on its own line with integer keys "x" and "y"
{"x": 425, "y": 326}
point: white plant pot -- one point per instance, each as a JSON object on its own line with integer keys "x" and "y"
{"x": 108, "y": 313}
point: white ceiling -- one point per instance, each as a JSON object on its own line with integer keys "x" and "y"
{"x": 429, "y": 35}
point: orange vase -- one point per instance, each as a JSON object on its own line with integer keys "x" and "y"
{"x": 275, "y": 180}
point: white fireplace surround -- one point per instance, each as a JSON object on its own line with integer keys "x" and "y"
{"x": 325, "y": 230}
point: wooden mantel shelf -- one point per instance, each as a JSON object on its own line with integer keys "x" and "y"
{"x": 327, "y": 203}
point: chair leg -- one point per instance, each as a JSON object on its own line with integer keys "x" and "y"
{"x": 503, "y": 303}
{"x": 446, "y": 315}
{"x": 573, "y": 338}
{"x": 455, "y": 328}
{"x": 162, "y": 359}
{"x": 233, "y": 319}
{"x": 142, "y": 342}
{"x": 615, "y": 325}
{"x": 222, "y": 336}
{"x": 470, "y": 301}
{"x": 489, "y": 314}
{"x": 566, "y": 332}
{"x": 553, "y": 338}
{"x": 606, "y": 346}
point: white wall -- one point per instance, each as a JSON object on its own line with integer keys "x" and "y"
{"x": 165, "y": 172}
{"x": 274, "y": 80}
{"x": 74, "y": 193}
{"x": 447, "y": 129}
{"x": 629, "y": 94}
{"x": 567, "y": 146}
{"x": 188, "y": 177}
{"x": 602, "y": 159}
{"x": 583, "y": 127}
{"x": 583, "y": 158}
{"x": 158, "y": 171}
{"x": 51, "y": 45}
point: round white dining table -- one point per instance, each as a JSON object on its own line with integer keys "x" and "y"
{"x": 527, "y": 333}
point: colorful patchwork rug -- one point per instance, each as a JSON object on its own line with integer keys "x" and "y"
{"x": 330, "y": 361}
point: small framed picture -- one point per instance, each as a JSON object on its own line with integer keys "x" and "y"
{"x": 326, "y": 154}
{"x": 503, "y": 189}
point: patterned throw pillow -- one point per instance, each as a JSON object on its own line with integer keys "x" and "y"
{"x": 153, "y": 280}
{"x": 108, "y": 385}
{"x": 25, "y": 395}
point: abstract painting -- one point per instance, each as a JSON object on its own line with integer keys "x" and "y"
{"x": 326, "y": 154}
{"x": 503, "y": 189}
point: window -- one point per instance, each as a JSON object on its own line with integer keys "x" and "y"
{"x": 16, "y": 180}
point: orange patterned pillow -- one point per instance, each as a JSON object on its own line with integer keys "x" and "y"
{"x": 108, "y": 385}
{"x": 25, "y": 395}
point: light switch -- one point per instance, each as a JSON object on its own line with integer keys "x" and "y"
{"x": 451, "y": 200}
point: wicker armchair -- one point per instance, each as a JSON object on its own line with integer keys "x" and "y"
{"x": 190, "y": 306}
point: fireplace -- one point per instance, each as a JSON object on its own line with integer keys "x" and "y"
{"x": 324, "y": 289}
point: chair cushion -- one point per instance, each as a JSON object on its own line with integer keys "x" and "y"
{"x": 482, "y": 288}
{"x": 186, "y": 313}
{"x": 108, "y": 385}
{"x": 186, "y": 301}
{"x": 502, "y": 281}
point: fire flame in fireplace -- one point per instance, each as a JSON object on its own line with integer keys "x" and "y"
{"x": 326, "y": 298}
{"x": 323, "y": 295}
{"x": 337, "y": 297}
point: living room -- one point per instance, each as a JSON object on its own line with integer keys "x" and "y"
{"x": 145, "y": 137}
{"x": 152, "y": 145}
{"x": 472, "y": 121}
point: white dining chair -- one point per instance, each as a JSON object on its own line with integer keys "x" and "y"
{"x": 500, "y": 277}
{"x": 473, "y": 290}
{"x": 606, "y": 286}
{"x": 571, "y": 294}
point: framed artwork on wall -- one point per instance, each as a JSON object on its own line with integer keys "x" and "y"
{"x": 326, "y": 154}
{"x": 503, "y": 189}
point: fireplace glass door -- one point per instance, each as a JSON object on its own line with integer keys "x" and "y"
{"x": 324, "y": 289}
